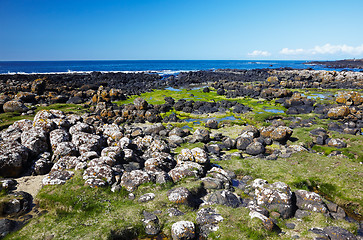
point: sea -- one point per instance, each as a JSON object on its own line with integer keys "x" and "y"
{"x": 162, "y": 67}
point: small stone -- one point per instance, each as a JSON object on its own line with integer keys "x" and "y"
{"x": 146, "y": 197}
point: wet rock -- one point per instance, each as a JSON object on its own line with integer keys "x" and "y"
{"x": 183, "y": 230}
{"x": 224, "y": 197}
{"x": 15, "y": 106}
{"x": 309, "y": 201}
{"x": 131, "y": 180}
{"x": 13, "y": 159}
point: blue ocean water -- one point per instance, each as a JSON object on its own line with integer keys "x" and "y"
{"x": 159, "y": 66}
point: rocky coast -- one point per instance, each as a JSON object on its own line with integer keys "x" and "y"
{"x": 224, "y": 154}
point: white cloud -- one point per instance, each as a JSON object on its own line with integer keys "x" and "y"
{"x": 259, "y": 53}
{"x": 325, "y": 49}
{"x": 287, "y": 51}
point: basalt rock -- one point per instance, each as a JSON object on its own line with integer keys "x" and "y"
{"x": 13, "y": 159}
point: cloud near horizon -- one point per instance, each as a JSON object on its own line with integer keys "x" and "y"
{"x": 259, "y": 53}
{"x": 325, "y": 49}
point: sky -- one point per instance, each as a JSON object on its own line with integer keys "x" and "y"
{"x": 36, "y": 30}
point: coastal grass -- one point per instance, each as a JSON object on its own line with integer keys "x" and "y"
{"x": 337, "y": 178}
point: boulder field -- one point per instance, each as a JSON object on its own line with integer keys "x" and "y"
{"x": 123, "y": 147}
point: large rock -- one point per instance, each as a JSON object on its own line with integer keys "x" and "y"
{"x": 64, "y": 149}
{"x": 92, "y": 140}
{"x": 201, "y": 135}
{"x": 337, "y": 233}
{"x": 57, "y": 177}
{"x": 183, "y": 230}
{"x": 57, "y": 136}
{"x": 113, "y": 131}
{"x": 36, "y": 140}
{"x": 338, "y": 112}
{"x": 336, "y": 142}
{"x": 102, "y": 171}
{"x": 151, "y": 223}
{"x": 140, "y": 104}
{"x": 6, "y": 226}
{"x": 243, "y": 142}
{"x": 281, "y": 134}
{"x": 319, "y": 136}
{"x": 310, "y": 201}
{"x": 224, "y": 197}
{"x": 208, "y": 220}
{"x": 349, "y": 98}
{"x": 276, "y": 196}
{"x": 15, "y": 106}
{"x": 211, "y": 123}
{"x": 131, "y": 180}
{"x": 15, "y": 204}
{"x": 13, "y": 158}
{"x": 255, "y": 148}
{"x": 180, "y": 195}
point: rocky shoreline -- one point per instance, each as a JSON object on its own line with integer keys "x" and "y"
{"x": 127, "y": 147}
{"x": 347, "y": 63}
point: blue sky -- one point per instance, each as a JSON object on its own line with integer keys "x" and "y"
{"x": 188, "y": 29}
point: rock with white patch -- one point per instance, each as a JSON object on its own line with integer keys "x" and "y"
{"x": 311, "y": 201}
{"x": 276, "y": 196}
{"x": 36, "y": 140}
{"x": 57, "y": 177}
{"x": 13, "y": 158}
{"x": 183, "y": 230}
{"x": 208, "y": 220}
{"x": 131, "y": 180}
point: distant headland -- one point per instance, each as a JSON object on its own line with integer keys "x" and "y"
{"x": 346, "y": 63}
